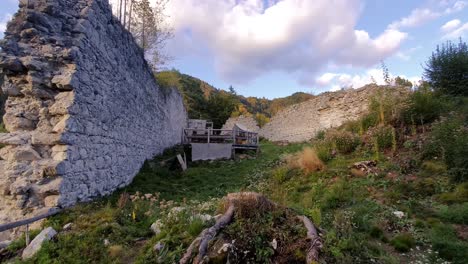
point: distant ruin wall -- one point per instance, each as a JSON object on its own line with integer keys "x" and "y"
{"x": 246, "y": 121}
{"x": 301, "y": 122}
{"x": 83, "y": 108}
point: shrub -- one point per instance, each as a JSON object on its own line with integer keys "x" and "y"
{"x": 447, "y": 67}
{"x": 344, "y": 141}
{"x": 280, "y": 174}
{"x": 459, "y": 195}
{"x": 423, "y": 107}
{"x": 324, "y": 150}
{"x": 457, "y": 213}
{"x": 385, "y": 108}
{"x": 403, "y": 242}
{"x": 449, "y": 141}
{"x": 444, "y": 240}
{"x": 261, "y": 119}
{"x": 384, "y": 137}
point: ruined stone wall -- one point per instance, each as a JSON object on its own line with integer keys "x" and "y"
{"x": 300, "y": 122}
{"x": 83, "y": 108}
{"x": 246, "y": 121}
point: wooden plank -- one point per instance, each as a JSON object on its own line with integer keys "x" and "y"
{"x": 182, "y": 162}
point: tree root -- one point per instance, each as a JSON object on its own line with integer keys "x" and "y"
{"x": 315, "y": 240}
{"x": 205, "y": 237}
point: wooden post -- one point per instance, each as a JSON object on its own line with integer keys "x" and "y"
{"x": 27, "y": 235}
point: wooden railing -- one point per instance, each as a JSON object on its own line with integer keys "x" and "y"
{"x": 236, "y": 137}
{"x": 26, "y": 222}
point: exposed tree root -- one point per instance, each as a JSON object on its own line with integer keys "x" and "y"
{"x": 205, "y": 236}
{"x": 315, "y": 240}
{"x": 245, "y": 203}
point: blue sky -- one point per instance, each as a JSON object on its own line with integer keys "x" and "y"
{"x": 273, "y": 48}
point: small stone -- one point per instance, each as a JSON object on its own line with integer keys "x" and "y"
{"x": 274, "y": 244}
{"x": 106, "y": 242}
{"x": 399, "y": 214}
{"x": 37, "y": 242}
{"x": 158, "y": 247}
{"x": 67, "y": 227}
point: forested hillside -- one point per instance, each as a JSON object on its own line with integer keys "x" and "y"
{"x": 207, "y": 102}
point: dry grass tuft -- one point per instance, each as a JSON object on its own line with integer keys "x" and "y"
{"x": 306, "y": 160}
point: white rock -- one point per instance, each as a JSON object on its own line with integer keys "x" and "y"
{"x": 67, "y": 227}
{"x": 399, "y": 214}
{"x": 274, "y": 244}
{"x": 37, "y": 242}
{"x": 106, "y": 242}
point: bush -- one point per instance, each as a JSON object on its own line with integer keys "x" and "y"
{"x": 457, "y": 213}
{"x": 423, "y": 107}
{"x": 383, "y": 137}
{"x": 449, "y": 141}
{"x": 261, "y": 119}
{"x": 403, "y": 242}
{"x": 444, "y": 240}
{"x": 459, "y": 195}
{"x": 344, "y": 141}
{"x": 324, "y": 150}
{"x": 447, "y": 67}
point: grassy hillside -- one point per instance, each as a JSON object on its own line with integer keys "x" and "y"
{"x": 207, "y": 102}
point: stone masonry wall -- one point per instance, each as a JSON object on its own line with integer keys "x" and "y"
{"x": 300, "y": 122}
{"x": 83, "y": 111}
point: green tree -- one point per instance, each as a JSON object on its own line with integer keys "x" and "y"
{"x": 403, "y": 82}
{"x": 220, "y": 107}
{"x": 447, "y": 69}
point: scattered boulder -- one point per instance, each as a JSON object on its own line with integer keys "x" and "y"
{"x": 35, "y": 245}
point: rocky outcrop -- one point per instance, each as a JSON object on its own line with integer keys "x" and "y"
{"x": 83, "y": 108}
{"x": 300, "y": 122}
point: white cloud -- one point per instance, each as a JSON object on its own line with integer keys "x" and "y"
{"x": 420, "y": 16}
{"x": 337, "y": 81}
{"x": 249, "y": 38}
{"x": 4, "y": 22}
{"x": 457, "y": 32}
{"x": 451, "y": 25}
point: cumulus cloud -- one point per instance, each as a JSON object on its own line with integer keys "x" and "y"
{"x": 420, "y": 16}
{"x": 337, "y": 81}
{"x": 451, "y": 25}
{"x": 248, "y": 38}
{"x": 459, "y": 31}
